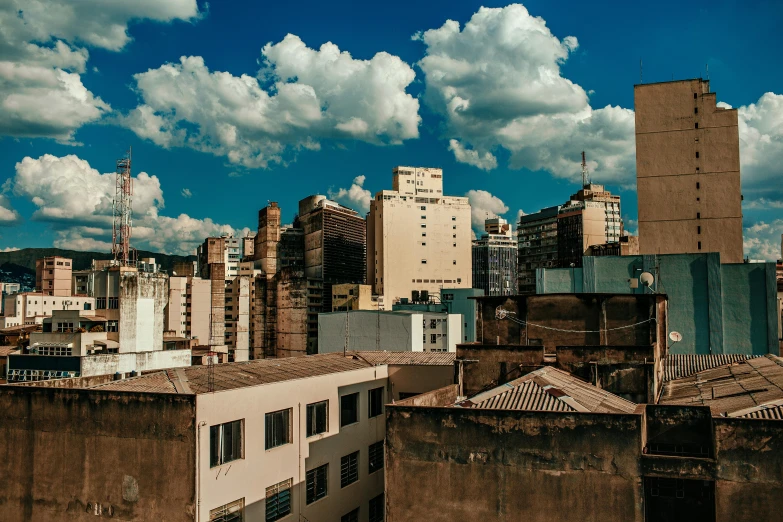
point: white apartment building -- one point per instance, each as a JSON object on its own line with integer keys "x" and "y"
{"x": 400, "y": 331}
{"x": 238, "y": 306}
{"x": 288, "y": 439}
{"x": 29, "y": 308}
{"x": 417, "y": 238}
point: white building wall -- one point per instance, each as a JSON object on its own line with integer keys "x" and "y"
{"x": 31, "y": 308}
{"x": 418, "y": 239}
{"x": 108, "y": 364}
{"x": 259, "y": 468}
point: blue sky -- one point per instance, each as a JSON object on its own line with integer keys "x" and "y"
{"x": 503, "y": 99}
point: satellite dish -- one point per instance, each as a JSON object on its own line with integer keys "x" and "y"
{"x": 646, "y": 279}
{"x": 675, "y": 336}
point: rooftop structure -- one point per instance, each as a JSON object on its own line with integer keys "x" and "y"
{"x": 495, "y": 259}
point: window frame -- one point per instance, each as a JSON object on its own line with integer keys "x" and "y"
{"x": 318, "y": 476}
{"x": 355, "y": 420}
{"x": 377, "y": 508}
{"x": 223, "y": 513}
{"x": 375, "y": 452}
{"x": 374, "y": 402}
{"x": 217, "y": 453}
{"x": 349, "y": 469}
{"x": 312, "y": 422}
{"x": 275, "y": 492}
{"x": 269, "y": 428}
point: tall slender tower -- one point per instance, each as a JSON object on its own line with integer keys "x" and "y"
{"x": 123, "y": 213}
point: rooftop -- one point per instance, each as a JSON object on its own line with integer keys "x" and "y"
{"x": 5, "y": 350}
{"x": 741, "y": 389}
{"x": 549, "y": 389}
{"x": 677, "y": 366}
{"x": 407, "y": 358}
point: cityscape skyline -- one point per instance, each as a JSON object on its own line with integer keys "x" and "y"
{"x": 190, "y": 184}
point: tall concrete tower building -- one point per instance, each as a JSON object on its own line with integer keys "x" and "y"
{"x": 495, "y": 259}
{"x": 417, "y": 238}
{"x": 687, "y": 171}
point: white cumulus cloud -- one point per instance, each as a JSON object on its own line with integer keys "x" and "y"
{"x": 43, "y": 52}
{"x": 186, "y": 193}
{"x": 762, "y": 240}
{"x": 356, "y": 197}
{"x": 497, "y": 83}
{"x": 301, "y": 96}
{"x": 76, "y": 199}
{"x": 761, "y": 149}
{"x": 8, "y": 216}
{"x": 484, "y": 205}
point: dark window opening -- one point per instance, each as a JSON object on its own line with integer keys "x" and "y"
{"x": 349, "y": 409}
{"x": 697, "y": 125}
{"x": 698, "y": 185}
{"x": 278, "y": 500}
{"x": 376, "y": 402}
{"x": 699, "y": 245}
{"x": 376, "y": 508}
{"x": 353, "y": 516}
{"x": 698, "y": 215}
{"x": 376, "y": 456}
{"x": 679, "y": 499}
{"x": 695, "y": 110}
{"x": 697, "y": 153}
{"x": 317, "y": 418}
{"x": 278, "y": 428}
{"x": 698, "y": 230}
{"x": 225, "y": 443}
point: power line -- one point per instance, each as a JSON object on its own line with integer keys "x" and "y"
{"x": 505, "y": 314}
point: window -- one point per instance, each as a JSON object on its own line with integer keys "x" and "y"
{"x": 113, "y": 303}
{"x": 278, "y": 428}
{"x": 698, "y": 215}
{"x": 454, "y": 244}
{"x": 698, "y": 229}
{"x": 111, "y": 326}
{"x": 349, "y": 469}
{"x": 695, "y": 95}
{"x": 433, "y": 323}
{"x": 423, "y": 234}
{"x": 376, "y": 456}
{"x": 433, "y": 338}
{"x": 376, "y": 508}
{"x": 454, "y": 218}
{"x": 454, "y": 262}
{"x": 697, "y": 125}
{"x": 695, "y": 110}
{"x": 64, "y": 327}
{"x": 87, "y": 306}
{"x": 423, "y": 261}
{"x": 231, "y": 512}
{"x": 375, "y": 402}
{"x": 349, "y": 409}
{"x": 423, "y": 225}
{"x": 317, "y": 418}
{"x": 697, "y": 153}
{"x": 699, "y": 245}
{"x": 353, "y": 516}
{"x": 423, "y": 217}
{"x": 424, "y": 208}
{"x": 278, "y": 500}
{"x": 225, "y": 443}
{"x": 316, "y": 483}
{"x": 100, "y": 303}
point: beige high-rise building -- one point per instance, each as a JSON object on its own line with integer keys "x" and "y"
{"x": 687, "y": 171}
{"x": 188, "y": 308}
{"x": 417, "y": 238}
{"x": 53, "y": 275}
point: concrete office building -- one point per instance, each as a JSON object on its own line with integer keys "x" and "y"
{"x": 7, "y": 289}
{"x": 286, "y": 439}
{"x": 188, "y": 308}
{"x": 495, "y": 259}
{"x": 537, "y": 241}
{"x": 718, "y": 308}
{"x": 53, "y": 275}
{"x": 353, "y": 297}
{"x": 334, "y": 244}
{"x": 417, "y": 238}
{"x": 402, "y": 331}
{"x": 687, "y": 171}
{"x": 590, "y": 217}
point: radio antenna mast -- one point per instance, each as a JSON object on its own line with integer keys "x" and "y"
{"x": 123, "y": 213}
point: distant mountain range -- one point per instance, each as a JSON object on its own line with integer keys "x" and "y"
{"x": 19, "y": 266}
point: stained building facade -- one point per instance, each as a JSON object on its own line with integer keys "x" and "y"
{"x": 495, "y": 259}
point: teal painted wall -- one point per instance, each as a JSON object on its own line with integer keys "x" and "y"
{"x": 717, "y": 308}
{"x": 461, "y": 304}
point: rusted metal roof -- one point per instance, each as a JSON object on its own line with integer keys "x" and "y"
{"x": 407, "y": 358}
{"x": 550, "y": 389}
{"x": 677, "y": 366}
{"x": 230, "y": 376}
{"x": 732, "y": 389}
{"x": 5, "y": 350}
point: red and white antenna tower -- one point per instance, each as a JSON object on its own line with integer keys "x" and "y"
{"x": 123, "y": 214}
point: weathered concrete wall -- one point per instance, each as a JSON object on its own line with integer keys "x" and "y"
{"x": 75, "y": 454}
{"x": 291, "y": 323}
{"x": 496, "y": 364}
{"x": 408, "y": 379}
{"x": 108, "y": 364}
{"x": 749, "y": 486}
{"x": 142, "y": 303}
{"x": 461, "y": 464}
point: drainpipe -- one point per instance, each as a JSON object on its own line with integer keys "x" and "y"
{"x": 198, "y": 470}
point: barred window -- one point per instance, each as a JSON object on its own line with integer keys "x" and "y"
{"x": 278, "y": 428}
{"x": 349, "y": 469}
{"x": 114, "y": 303}
{"x": 316, "y": 483}
{"x": 376, "y": 508}
{"x": 353, "y": 516}
{"x": 278, "y": 500}
{"x": 231, "y": 512}
{"x": 376, "y": 456}
{"x": 100, "y": 303}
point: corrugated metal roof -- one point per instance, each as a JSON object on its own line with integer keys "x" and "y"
{"x": 677, "y": 366}
{"x": 230, "y": 376}
{"x": 732, "y": 389}
{"x": 408, "y": 358}
{"x": 5, "y": 350}
{"x": 550, "y": 389}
